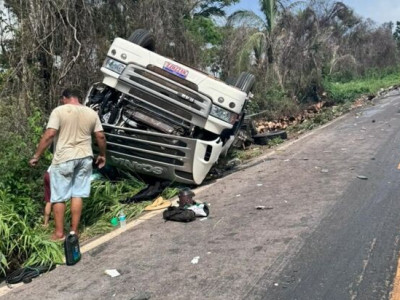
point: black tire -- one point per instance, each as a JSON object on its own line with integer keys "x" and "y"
{"x": 263, "y": 138}
{"x": 245, "y": 82}
{"x": 231, "y": 81}
{"x": 143, "y": 38}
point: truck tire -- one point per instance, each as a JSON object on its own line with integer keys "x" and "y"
{"x": 263, "y": 138}
{"x": 231, "y": 81}
{"x": 245, "y": 82}
{"x": 143, "y": 38}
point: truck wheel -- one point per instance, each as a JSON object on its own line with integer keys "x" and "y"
{"x": 231, "y": 81}
{"x": 245, "y": 82}
{"x": 263, "y": 138}
{"x": 143, "y": 38}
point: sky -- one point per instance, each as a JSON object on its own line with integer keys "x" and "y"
{"x": 380, "y": 11}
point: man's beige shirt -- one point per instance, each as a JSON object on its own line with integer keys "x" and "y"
{"x": 75, "y": 125}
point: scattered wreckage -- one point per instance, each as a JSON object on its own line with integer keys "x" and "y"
{"x": 163, "y": 118}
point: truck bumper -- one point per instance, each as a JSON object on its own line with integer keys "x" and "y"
{"x": 161, "y": 155}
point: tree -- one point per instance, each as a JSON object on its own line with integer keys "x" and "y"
{"x": 210, "y": 8}
{"x": 396, "y": 33}
{"x": 262, "y": 38}
{"x": 260, "y": 46}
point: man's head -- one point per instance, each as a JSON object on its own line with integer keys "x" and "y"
{"x": 71, "y": 96}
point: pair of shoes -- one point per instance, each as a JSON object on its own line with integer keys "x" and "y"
{"x": 159, "y": 203}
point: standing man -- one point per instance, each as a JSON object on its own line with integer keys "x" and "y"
{"x": 71, "y": 127}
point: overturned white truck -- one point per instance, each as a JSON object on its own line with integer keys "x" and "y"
{"x": 162, "y": 118}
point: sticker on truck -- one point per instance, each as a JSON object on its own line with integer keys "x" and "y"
{"x": 175, "y": 69}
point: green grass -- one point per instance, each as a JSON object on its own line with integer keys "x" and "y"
{"x": 103, "y": 205}
{"x": 247, "y": 154}
{"x": 340, "y": 92}
{"x": 23, "y": 241}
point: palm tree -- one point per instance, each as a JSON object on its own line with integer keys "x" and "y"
{"x": 258, "y": 50}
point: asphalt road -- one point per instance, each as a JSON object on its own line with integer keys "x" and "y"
{"x": 331, "y": 230}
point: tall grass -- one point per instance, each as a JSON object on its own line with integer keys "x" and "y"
{"x": 103, "y": 205}
{"x": 23, "y": 242}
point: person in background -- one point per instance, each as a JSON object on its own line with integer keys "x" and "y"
{"x": 71, "y": 127}
{"x": 47, "y": 193}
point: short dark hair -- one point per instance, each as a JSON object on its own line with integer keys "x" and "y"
{"x": 68, "y": 93}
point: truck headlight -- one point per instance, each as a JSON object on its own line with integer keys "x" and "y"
{"x": 223, "y": 114}
{"x": 114, "y": 65}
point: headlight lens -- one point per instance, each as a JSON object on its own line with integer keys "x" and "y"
{"x": 114, "y": 65}
{"x": 223, "y": 114}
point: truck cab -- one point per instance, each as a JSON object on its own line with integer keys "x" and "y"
{"x": 163, "y": 118}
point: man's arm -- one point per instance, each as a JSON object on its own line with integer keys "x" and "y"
{"x": 101, "y": 142}
{"x": 45, "y": 142}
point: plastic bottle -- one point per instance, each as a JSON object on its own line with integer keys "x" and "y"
{"x": 71, "y": 248}
{"x": 122, "y": 219}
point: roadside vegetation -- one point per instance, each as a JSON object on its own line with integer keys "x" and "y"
{"x": 302, "y": 53}
{"x": 341, "y": 91}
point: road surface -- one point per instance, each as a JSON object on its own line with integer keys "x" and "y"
{"x": 330, "y": 228}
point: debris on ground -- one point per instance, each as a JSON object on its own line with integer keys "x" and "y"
{"x": 362, "y": 177}
{"x": 186, "y": 197}
{"x": 159, "y": 203}
{"x": 261, "y": 207}
{"x": 150, "y": 192}
{"x": 26, "y": 274}
{"x": 112, "y": 272}
{"x": 179, "y": 214}
{"x": 114, "y": 221}
{"x": 233, "y": 163}
{"x": 195, "y": 260}
{"x": 200, "y": 209}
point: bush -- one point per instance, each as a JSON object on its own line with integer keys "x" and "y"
{"x": 272, "y": 103}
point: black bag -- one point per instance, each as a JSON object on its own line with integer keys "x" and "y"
{"x": 179, "y": 214}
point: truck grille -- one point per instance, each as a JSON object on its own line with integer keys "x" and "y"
{"x": 157, "y": 102}
{"x": 150, "y": 146}
{"x": 164, "y": 96}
